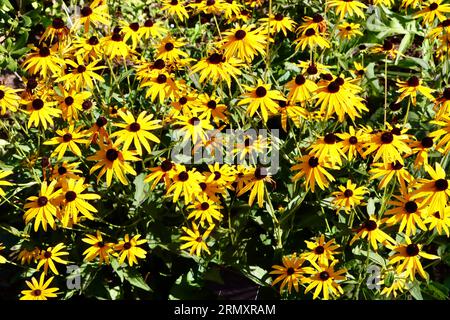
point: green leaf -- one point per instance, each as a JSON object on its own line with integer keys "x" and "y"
{"x": 136, "y": 280}
{"x": 416, "y": 292}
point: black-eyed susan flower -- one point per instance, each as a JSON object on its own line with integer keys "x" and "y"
{"x": 212, "y": 190}
{"x": 97, "y": 130}
{"x": 314, "y": 172}
{"x": 129, "y": 249}
{"x": 421, "y": 148}
{"x": 115, "y": 46}
{"x": 3, "y": 175}
{"x": 413, "y": 3}
{"x": 349, "y": 30}
{"x": 136, "y": 131}
{"x": 205, "y": 209}
{"x": 43, "y": 61}
{"x": 67, "y": 139}
{"x": 387, "y": 171}
{"x": 212, "y": 106}
{"x": 88, "y": 48}
{"x": 410, "y": 88}
{"x": 185, "y": 182}
{"x": 210, "y": 7}
{"x": 263, "y": 98}
{"x": 9, "y": 99}
{"x": 387, "y": 146}
{"x": 317, "y": 22}
{"x": 99, "y": 248}
{"x": 195, "y": 240}
{"x": 161, "y": 85}
{"x": 152, "y": 29}
{"x": 39, "y": 290}
{"x": 131, "y": 31}
{"x": 290, "y": 273}
{"x": 392, "y": 287}
{"x": 359, "y": 70}
{"x": 65, "y": 171}
{"x": 407, "y": 257}
{"x": 113, "y": 161}
{"x": 278, "y": 22}
{"x": 82, "y": 75}
{"x": 250, "y": 147}
{"x": 435, "y": 192}
{"x": 348, "y": 196}
{"x": 443, "y": 134}
{"x": 96, "y": 14}
{"x": 301, "y": 89}
{"x": 43, "y": 208}
{"x": 257, "y": 178}
{"x": 342, "y": 7}
{"x": 194, "y": 127}
{"x": 320, "y": 251}
{"x": 442, "y": 103}
{"x": 406, "y": 213}
{"x": 71, "y": 102}
{"x": 352, "y": 142}
{"x": 432, "y": 10}
{"x": 289, "y": 110}
{"x": 169, "y": 49}
{"x": 74, "y": 201}
{"x": 165, "y": 171}
{"x": 386, "y": 3}
{"x": 217, "y": 68}
{"x": 328, "y": 149}
{"x": 311, "y": 38}
{"x": 41, "y": 111}
{"x": 387, "y": 48}
{"x": 223, "y": 174}
{"x": 57, "y": 29}
{"x": 175, "y": 8}
{"x": 371, "y": 229}
{"x": 438, "y": 222}
{"x": 28, "y": 256}
{"x": 244, "y": 42}
{"x": 49, "y": 256}
{"x": 324, "y": 279}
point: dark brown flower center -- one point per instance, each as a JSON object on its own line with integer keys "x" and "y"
{"x": 446, "y": 23}
{"x": 101, "y": 121}
{"x": 312, "y": 69}
{"x": 211, "y": 104}
{"x": 2, "y": 94}
{"x": 348, "y": 193}
{"x": 86, "y": 11}
{"x": 260, "y": 92}
{"x": 387, "y": 137}
{"x": 93, "y": 41}
{"x": 313, "y": 162}
{"x": 413, "y": 81}
{"x": 116, "y": 37}
{"x": 127, "y": 245}
{"x": 70, "y": 196}
{"x": 203, "y": 186}
{"x": 299, "y": 80}
{"x": 58, "y": 23}
{"x": 433, "y": 6}
{"x": 317, "y": 18}
{"x": 348, "y": 28}
{"x": 310, "y": 32}
{"x": 216, "y": 58}
{"x": 353, "y": 140}
{"x": 441, "y": 184}
{"x": 279, "y": 17}
{"x": 240, "y": 34}
{"x": 100, "y": 244}
{"x": 37, "y": 104}
{"x": 86, "y": 105}
{"x": 427, "y": 142}
{"x": 182, "y": 100}
{"x": 166, "y": 165}
{"x": 62, "y": 170}
{"x": 370, "y": 225}
{"x": 396, "y": 165}
{"x": 161, "y": 79}
{"x": 199, "y": 239}
{"x": 135, "y": 127}
{"x": 169, "y": 46}
{"x": 42, "y": 201}
{"x": 411, "y": 207}
{"x": 159, "y": 64}
{"x": 260, "y": 173}
{"x": 36, "y": 292}
{"x": 47, "y": 254}
{"x": 324, "y": 276}
{"x": 112, "y": 154}
{"x": 204, "y": 206}
{"x": 217, "y": 175}
{"x": 174, "y": 2}
{"x": 210, "y": 2}
{"x": 194, "y": 121}
{"x": 44, "y": 52}
{"x": 81, "y": 69}
{"x": 387, "y": 45}
{"x": 330, "y": 138}
{"x": 67, "y": 137}
{"x": 333, "y": 87}
{"x": 68, "y": 101}
{"x": 183, "y": 176}
{"x": 148, "y": 23}
{"x": 134, "y": 26}
{"x": 32, "y": 83}
{"x": 290, "y": 271}
{"x": 319, "y": 250}
{"x": 446, "y": 94}
{"x": 412, "y": 250}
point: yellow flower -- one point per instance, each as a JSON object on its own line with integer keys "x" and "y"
{"x": 439, "y": 222}
{"x": 311, "y": 38}
{"x": 431, "y": 10}
{"x": 2, "y": 258}
{"x": 328, "y": 149}
{"x": 194, "y": 127}
{"x": 43, "y": 208}
{"x": 287, "y": 109}
{"x": 314, "y": 172}
{"x": 67, "y": 139}
{"x": 186, "y": 182}
{"x": 278, "y": 23}
{"x": 408, "y": 258}
{"x": 96, "y": 14}
{"x": 175, "y": 7}
{"x": 261, "y": 97}
{"x": 300, "y": 89}
{"x": 169, "y": 49}
{"x": 98, "y": 248}
{"x": 112, "y": 161}
{"x": 205, "y": 209}
{"x": 195, "y": 240}
{"x": 65, "y": 171}
{"x": 320, "y": 251}
{"x": 352, "y": 7}
{"x": 387, "y": 171}
{"x": 443, "y": 134}
{"x": 9, "y": 100}
{"x": 51, "y": 255}
{"x": 349, "y": 196}
{"x": 152, "y": 29}
{"x": 244, "y": 42}
{"x": 256, "y": 179}
{"x": 165, "y": 171}
{"x": 323, "y": 279}
{"x": 43, "y": 61}
{"x": 4, "y": 174}
{"x": 371, "y": 229}
{"x": 352, "y": 142}
{"x": 57, "y": 29}
{"x": 71, "y": 102}
{"x": 160, "y": 85}
{"x": 82, "y": 75}
{"x": 290, "y": 273}
{"x": 348, "y": 30}
{"x": 41, "y": 111}
{"x": 388, "y": 146}
{"x": 39, "y": 290}
{"x": 128, "y": 249}
{"x": 410, "y": 88}
{"x": 136, "y": 130}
